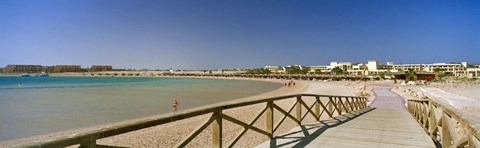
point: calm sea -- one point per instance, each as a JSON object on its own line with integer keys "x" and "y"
{"x": 39, "y": 105}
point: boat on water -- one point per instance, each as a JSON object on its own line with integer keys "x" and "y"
{"x": 26, "y": 75}
{"x": 43, "y": 74}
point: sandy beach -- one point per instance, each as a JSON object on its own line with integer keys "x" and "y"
{"x": 462, "y": 97}
{"x": 168, "y": 135}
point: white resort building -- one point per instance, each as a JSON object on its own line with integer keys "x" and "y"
{"x": 374, "y": 67}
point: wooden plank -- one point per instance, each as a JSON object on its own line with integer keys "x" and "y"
{"x": 317, "y": 108}
{"x": 309, "y": 110}
{"x": 335, "y": 106}
{"x": 389, "y": 128}
{"x": 446, "y": 138}
{"x": 330, "y": 107}
{"x": 198, "y": 130}
{"x": 325, "y": 108}
{"x": 233, "y": 120}
{"x": 241, "y": 133}
{"x": 287, "y": 114}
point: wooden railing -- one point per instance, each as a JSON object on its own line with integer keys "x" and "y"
{"x": 322, "y": 104}
{"x": 446, "y": 125}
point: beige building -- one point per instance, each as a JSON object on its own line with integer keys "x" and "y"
{"x": 66, "y": 68}
{"x": 95, "y": 68}
{"x": 473, "y": 72}
{"x": 322, "y": 68}
{"x": 47, "y": 69}
{"x": 406, "y": 67}
{"x": 23, "y": 68}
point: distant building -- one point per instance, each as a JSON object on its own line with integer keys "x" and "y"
{"x": 66, "y": 68}
{"x": 321, "y": 68}
{"x": 454, "y": 69}
{"x": 345, "y": 66}
{"x": 95, "y": 68}
{"x": 23, "y": 68}
{"x": 373, "y": 65}
{"x": 47, "y": 69}
{"x": 276, "y": 69}
{"x": 427, "y": 76}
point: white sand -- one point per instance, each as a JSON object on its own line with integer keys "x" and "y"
{"x": 465, "y": 98}
{"x": 471, "y": 92}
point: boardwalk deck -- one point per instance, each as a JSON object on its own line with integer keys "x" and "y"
{"x": 387, "y": 125}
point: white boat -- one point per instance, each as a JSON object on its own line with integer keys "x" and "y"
{"x": 43, "y": 74}
{"x": 26, "y": 75}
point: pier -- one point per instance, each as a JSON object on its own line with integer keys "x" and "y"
{"x": 339, "y": 121}
{"x": 386, "y": 123}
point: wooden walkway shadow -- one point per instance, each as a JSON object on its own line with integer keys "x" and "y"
{"x": 303, "y": 135}
{"x": 373, "y": 127}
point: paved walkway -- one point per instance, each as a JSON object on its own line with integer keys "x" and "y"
{"x": 387, "y": 125}
{"x": 387, "y": 99}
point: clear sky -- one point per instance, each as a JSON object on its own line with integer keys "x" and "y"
{"x": 211, "y": 34}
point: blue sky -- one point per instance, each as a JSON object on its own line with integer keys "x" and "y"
{"x": 208, "y": 34}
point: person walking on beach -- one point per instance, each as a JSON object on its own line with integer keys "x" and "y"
{"x": 174, "y": 105}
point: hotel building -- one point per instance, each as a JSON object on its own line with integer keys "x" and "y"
{"x": 96, "y": 68}
{"x": 322, "y": 68}
{"x": 23, "y": 68}
{"x": 374, "y": 67}
{"x": 40, "y": 68}
{"x": 454, "y": 69}
{"x": 276, "y": 69}
{"x": 66, "y": 68}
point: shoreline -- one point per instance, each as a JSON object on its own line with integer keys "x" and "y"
{"x": 183, "y": 127}
{"x": 13, "y": 142}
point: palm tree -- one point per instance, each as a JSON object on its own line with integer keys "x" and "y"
{"x": 410, "y": 75}
{"x": 337, "y": 70}
{"x": 440, "y": 73}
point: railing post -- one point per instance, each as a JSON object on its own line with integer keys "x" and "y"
{"x": 317, "y": 107}
{"x": 347, "y": 105}
{"x": 298, "y": 111}
{"x": 330, "y": 106}
{"x": 269, "y": 120}
{"x": 217, "y": 130}
{"x": 425, "y": 116}
{"x": 355, "y": 103}
{"x": 433, "y": 121}
{"x": 360, "y": 103}
{"x": 339, "y": 105}
{"x": 446, "y": 137}
{"x": 364, "y": 102}
{"x": 408, "y": 107}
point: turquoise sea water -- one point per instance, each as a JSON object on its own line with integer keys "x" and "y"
{"x": 39, "y": 105}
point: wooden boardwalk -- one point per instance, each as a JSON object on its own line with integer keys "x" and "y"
{"x": 386, "y": 125}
